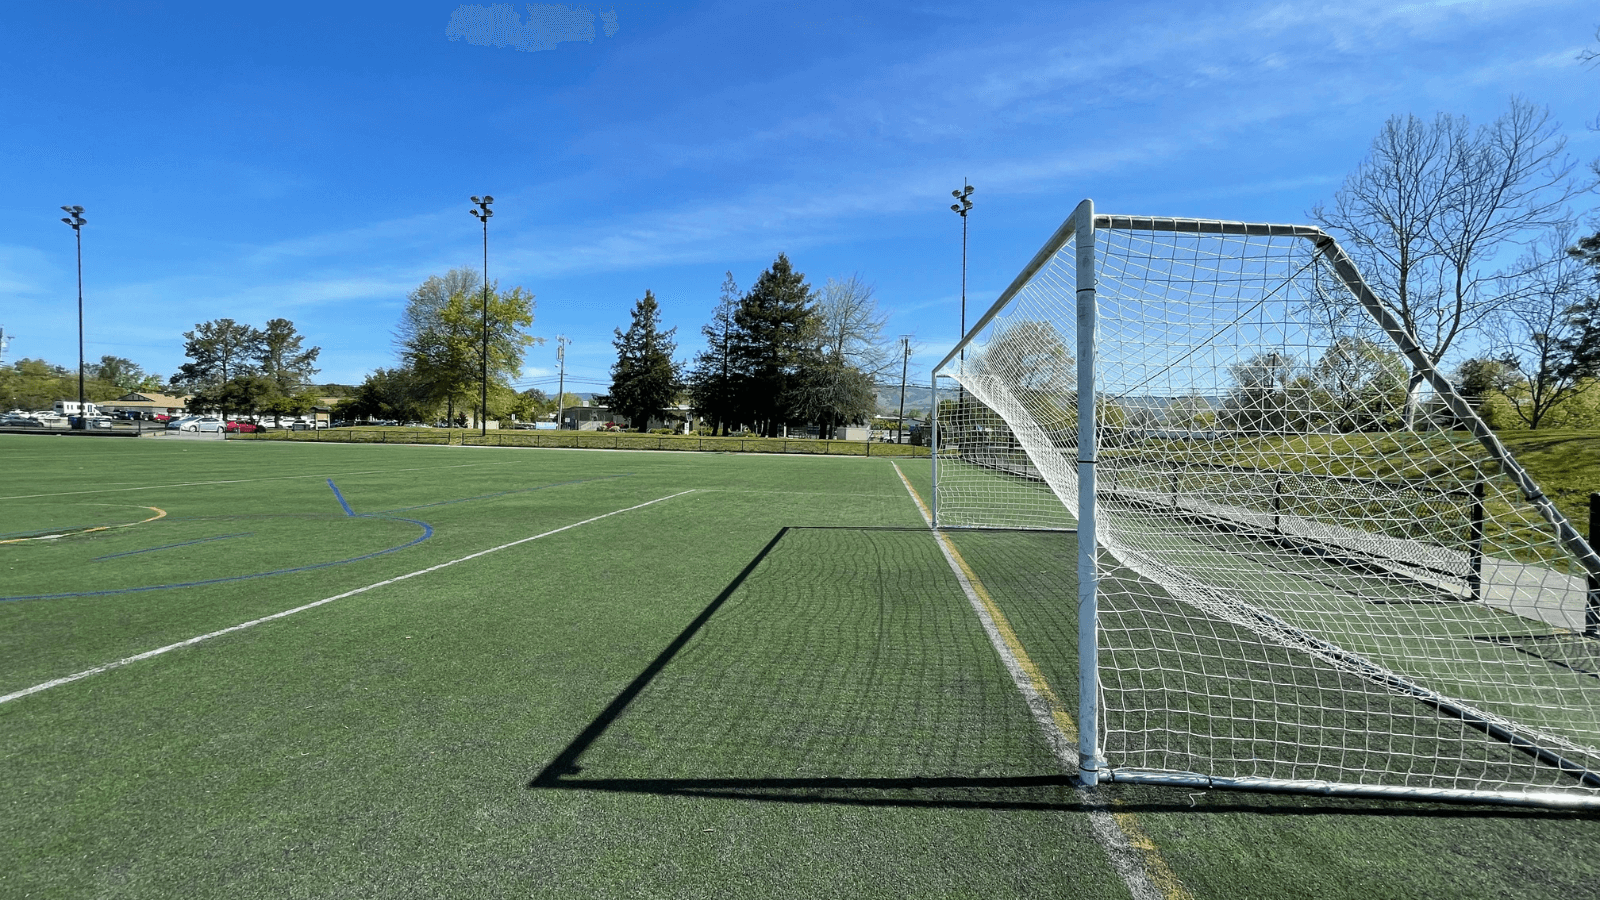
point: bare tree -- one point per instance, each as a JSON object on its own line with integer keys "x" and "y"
{"x": 849, "y": 358}
{"x": 851, "y": 327}
{"x": 1434, "y": 205}
{"x": 1592, "y": 57}
{"x": 1541, "y": 336}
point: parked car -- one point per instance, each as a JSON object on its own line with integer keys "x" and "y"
{"x": 197, "y": 423}
{"x": 243, "y": 427}
{"x": 205, "y": 423}
{"x": 20, "y": 420}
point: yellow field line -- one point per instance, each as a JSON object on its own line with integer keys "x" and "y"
{"x": 159, "y": 514}
{"x": 1157, "y": 874}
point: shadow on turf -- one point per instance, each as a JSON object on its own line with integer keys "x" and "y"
{"x": 1054, "y": 792}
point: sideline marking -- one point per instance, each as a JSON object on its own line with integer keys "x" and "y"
{"x": 347, "y": 510}
{"x": 76, "y": 676}
{"x": 159, "y": 514}
{"x": 1129, "y": 850}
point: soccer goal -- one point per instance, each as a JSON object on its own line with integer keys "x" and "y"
{"x": 1304, "y": 562}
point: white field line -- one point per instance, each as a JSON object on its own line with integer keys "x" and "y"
{"x": 7, "y": 698}
{"x": 152, "y": 487}
{"x": 1131, "y": 855}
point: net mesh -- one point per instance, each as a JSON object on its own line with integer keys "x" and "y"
{"x": 1308, "y": 572}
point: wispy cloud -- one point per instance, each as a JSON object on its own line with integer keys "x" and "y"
{"x": 549, "y": 24}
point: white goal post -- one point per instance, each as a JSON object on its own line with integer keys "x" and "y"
{"x": 1304, "y": 562}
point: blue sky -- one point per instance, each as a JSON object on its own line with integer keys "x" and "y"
{"x": 315, "y": 161}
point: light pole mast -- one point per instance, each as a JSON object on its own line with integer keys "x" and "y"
{"x": 561, "y": 383}
{"x": 905, "y": 361}
{"x": 74, "y": 217}
{"x": 482, "y": 214}
{"x": 961, "y": 206}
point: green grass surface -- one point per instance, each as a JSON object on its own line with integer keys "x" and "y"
{"x": 771, "y": 686}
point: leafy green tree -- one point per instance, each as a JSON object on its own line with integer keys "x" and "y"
{"x": 530, "y": 405}
{"x": 1356, "y": 385}
{"x": 712, "y": 377}
{"x": 35, "y": 384}
{"x": 644, "y": 379}
{"x": 831, "y": 392}
{"x": 1037, "y": 363}
{"x": 123, "y": 374}
{"x": 389, "y": 394}
{"x": 1481, "y": 381}
{"x": 1260, "y": 399}
{"x": 440, "y": 336}
{"x": 247, "y": 391}
{"x": 773, "y": 328}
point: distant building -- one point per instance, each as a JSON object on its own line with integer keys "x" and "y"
{"x": 147, "y": 402}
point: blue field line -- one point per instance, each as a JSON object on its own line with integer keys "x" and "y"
{"x": 504, "y": 493}
{"x": 347, "y": 510}
{"x": 427, "y": 532}
{"x": 221, "y": 537}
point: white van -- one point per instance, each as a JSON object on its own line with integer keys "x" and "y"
{"x": 70, "y": 408}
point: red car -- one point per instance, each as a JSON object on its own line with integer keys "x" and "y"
{"x": 244, "y": 427}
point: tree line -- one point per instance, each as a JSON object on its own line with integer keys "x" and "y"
{"x": 37, "y": 384}
{"x": 234, "y": 367}
{"x": 779, "y": 355}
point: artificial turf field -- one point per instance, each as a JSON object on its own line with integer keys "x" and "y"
{"x": 756, "y": 676}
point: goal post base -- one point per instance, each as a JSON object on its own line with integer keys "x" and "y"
{"x": 1539, "y": 799}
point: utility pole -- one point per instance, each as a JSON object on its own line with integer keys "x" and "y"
{"x": 74, "y": 217}
{"x": 482, "y": 214}
{"x": 561, "y": 385}
{"x": 905, "y": 361}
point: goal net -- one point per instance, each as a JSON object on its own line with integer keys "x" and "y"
{"x": 1304, "y": 562}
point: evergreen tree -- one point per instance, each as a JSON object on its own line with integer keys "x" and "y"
{"x": 219, "y": 351}
{"x": 283, "y": 358}
{"x": 773, "y": 329}
{"x": 712, "y": 377}
{"x": 644, "y": 379}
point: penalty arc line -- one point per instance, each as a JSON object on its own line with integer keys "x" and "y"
{"x": 1130, "y": 852}
{"x": 77, "y": 676}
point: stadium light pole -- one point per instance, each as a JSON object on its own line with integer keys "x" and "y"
{"x": 962, "y": 205}
{"x": 905, "y": 362}
{"x": 482, "y": 214}
{"x": 74, "y": 217}
{"x": 561, "y": 382}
